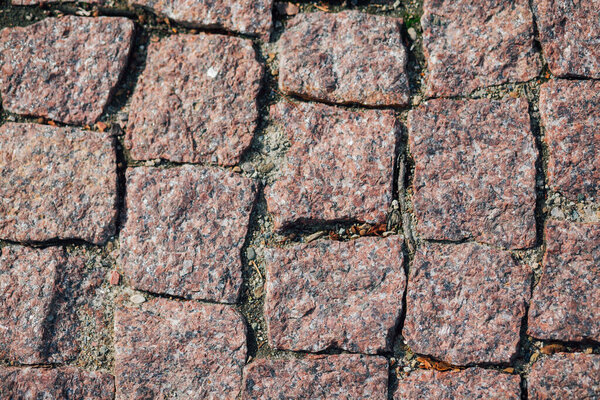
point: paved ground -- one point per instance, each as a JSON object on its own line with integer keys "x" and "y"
{"x": 258, "y": 200}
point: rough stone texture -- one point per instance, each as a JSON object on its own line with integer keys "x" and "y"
{"x": 184, "y": 231}
{"x": 472, "y": 383}
{"x": 474, "y": 171}
{"x": 346, "y": 376}
{"x": 45, "y": 298}
{"x": 570, "y": 112}
{"x": 196, "y": 100}
{"x": 56, "y": 183}
{"x": 565, "y": 376}
{"x": 350, "y": 57}
{"x": 469, "y": 45}
{"x": 65, "y": 68}
{"x": 346, "y": 295}
{"x": 179, "y": 350}
{"x": 565, "y": 302}
{"x": 65, "y": 383}
{"x": 570, "y": 36}
{"x": 465, "y": 303}
{"x": 250, "y": 17}
{"x": 339, "y": 166}
{"x": 35, "y": 2}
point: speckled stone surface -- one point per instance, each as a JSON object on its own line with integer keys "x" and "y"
{"x": 35, "y": 2}
{"x": 565, "y": 376}
{"x": 346, "y": 376}
{"x": 184, "y": 231}
{"x": 570, "y": 113}
{"x": 472, "y": 383}
{"x": 465, "y": 303}
{"x": 56, "y": 183}
{"x": 68, "y": 383}
{"x": 196, "y": 100}
{"x": 565, "y": 303}
{"x": 326, "y": 294}
{"x": 349, "y": 57}
{"x": 470, "y": 45}
{"x": 179, "y": 349}
{"x": 250, "y": 17}
{"x": 339, "y": 165}
{"x": 474, "y": 171}
{"x": 570, "y": 35}
{"x": 46, "y": 296}
{"x": 63, "y": 69}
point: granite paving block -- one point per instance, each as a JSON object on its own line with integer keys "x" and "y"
{"x": 465, "y": 303}
{"x": 64, "y": 69}
{"x": 474, "y": 171}
{"x": 349, "y": 57}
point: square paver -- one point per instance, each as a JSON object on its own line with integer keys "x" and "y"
{"x": 570, "y": 35}
{"x": 64, "y": 69}
{"x": 472, "y": 383}
{"x": 46, "y": 296}
{"x": 184, "y": 231}
{"x": 196, "y": 100}
{"x": 326, "y": 294}
{"x": 346, "y": 376}
{"x": 349, "y": 57}
{"x": 565, "y": 302}
{"x": 58, "y": 383}
{"x": 570, "y": 113}
{"x": 179, "y": 349}
{"x": 56, "y": 183}
{"x": 465, "y": 303}
{"x": 474, "y": 171}
{"x": 470, "y": 45}
{"x": 339, "y": 166}
{"x": 250, "y": 17}
{"x": 565, "y": 376}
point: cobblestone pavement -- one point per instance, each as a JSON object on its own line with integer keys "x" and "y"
{"x": 253, "y": 199}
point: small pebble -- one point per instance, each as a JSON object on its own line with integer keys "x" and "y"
{"x": 137, "y": 299}
{"x": 251, "y": 254}
{"x": 412, "y": 33}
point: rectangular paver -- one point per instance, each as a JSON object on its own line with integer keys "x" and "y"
{"x": 570, "y": 113}
{"x": 184, "y": 231}
{"x": 65, "y": 68}
{"x": 345, "y": 295}
{"x": 56, "y": 183}
{"x": 470, "y": 45}
{"x": 179, "y": 349}
{"x": 465, "y": 303}
{"x": 474, "y": 171}
{"x": 344, "y": 376}
{"x": 565, "y": 302}
{"x": 196, "y": 100}
{"x": 339, "y": 165}
{"x": 349, "y": 57}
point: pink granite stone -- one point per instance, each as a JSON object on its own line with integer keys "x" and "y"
{"x": 45, "y": 296}
{"x": 565, "y": 376}
{"x": 570, "y": 113}
{"x": 36, "y": 2}
{"x": 196, "y": 100}
{"x": 64, "y": 69}
{"x": 470, "y": 45}
{"x": 179, "y": 349}
{"x": 56, "y": 183}
{"x": 64, "y": 383}
{"x": 565, "y": 303}
{"x": 465, "y": 303}
{"x": 249, "y": 17}
{"x": 184, "y": 231}
{"x": 474, "y": 171}
{"x": 346, "y": 376}
{"x": 570, "y": 36}
{"x": 472, "y": 383}
{"x": 346, "y": 58}
{"x": 326, "y": 294}
{"x": 339, "y": 166}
